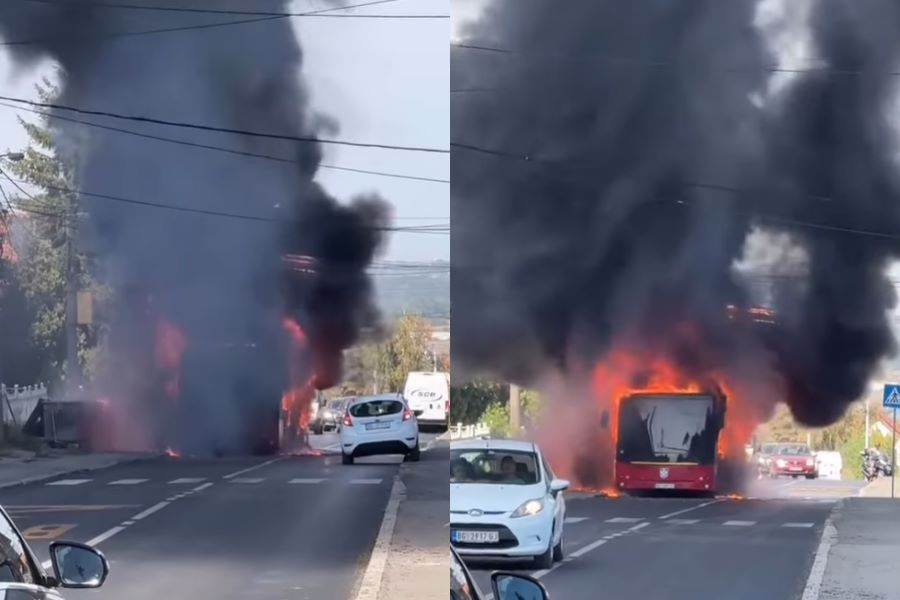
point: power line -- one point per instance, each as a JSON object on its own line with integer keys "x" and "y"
{"x": 213, "y": 11}
{"x": 405, "y": 229}
{"x": 218, "y": 148}
{"x": 200, "y": 127}
{"x": 125, "y": 34}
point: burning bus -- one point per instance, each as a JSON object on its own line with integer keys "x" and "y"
{"x": 669, "y": 441}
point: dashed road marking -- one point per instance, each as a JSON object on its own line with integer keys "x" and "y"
{"x": 69, "y": 482}
{"x": 624, "y": 520}
{"x": 739, "y": 523}
{"x": 246, "y": 480}
{"x": 799, "y": 525}
{"x": 689, "y": 509}
{"x": 684, "y": 521}
{"x": 253, "y": 468}
{"x": 155, "y": 508}
{"x": 128, "y": 481}
{"x": 365, "y": 481}
{"x": 305, "y": 481}
{"x": 187, "y": 480}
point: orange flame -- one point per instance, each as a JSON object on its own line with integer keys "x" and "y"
{"x": 297, "y": 399}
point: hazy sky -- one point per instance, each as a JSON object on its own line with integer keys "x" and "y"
{"x": 385, "y": 81}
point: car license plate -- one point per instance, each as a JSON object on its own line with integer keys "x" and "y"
{"x": 475, "y": 537}
{"x": 796, "y": 468}
{"x": 665, "y": 486}
{"x": 370, "y": 426}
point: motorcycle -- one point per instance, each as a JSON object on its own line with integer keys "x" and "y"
{"x": 869, "y": 466}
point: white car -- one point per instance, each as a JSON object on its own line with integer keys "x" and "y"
{"x": 505, "y": 502}
{"x": 374, "y": 425}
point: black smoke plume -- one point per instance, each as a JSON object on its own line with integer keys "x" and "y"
{"x": 220, "y": 281}
{"x": 614, "y": 161}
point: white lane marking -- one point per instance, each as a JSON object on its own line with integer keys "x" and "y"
{"x": 155, "y": 508}
{"x": 200, "y": 488}
{"x": 684, "y": 521}
{"x": 817, "y": 572}
{"x": 365, "y": 481}
{"x": 187, "y": 480}
{"x": 69, "y": 482}
{"x": 585, "y": 549}
{"x": 248, "y": 480}
{"x": 253, "y": 468}
{"x": 127, "y": 481}
{"x": 120, "y": 528}
{"x": 799, "y": 525}
{"x": 309, "y": 481}
{"x": 573, "y": 520}
{"x": 371, "y": 581}
{"x": 689, "y": 509}
{"x": 739, "y": 523}
{"x": 624, "y": 520}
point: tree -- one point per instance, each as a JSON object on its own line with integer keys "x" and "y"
{"x": 49, "y": 214}
{"x": 469, "y": 401}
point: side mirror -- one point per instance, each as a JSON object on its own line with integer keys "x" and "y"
{"x": 508, "y": 586}
{"x": 77, "y": 565}
{"x": 559, "y": 485}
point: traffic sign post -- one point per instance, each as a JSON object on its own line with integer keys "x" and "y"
{"x": 891, "y": 399}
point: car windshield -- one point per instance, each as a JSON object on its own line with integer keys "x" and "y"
{"x": 494, "y": 466}
{"x": 794, "y": 451}
{"x": 335, "y": 404}
{"x": 376, "y": 408}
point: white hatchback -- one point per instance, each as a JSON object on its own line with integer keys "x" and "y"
{"x": 375, "y": 425}
{"x": 505, "y": 502}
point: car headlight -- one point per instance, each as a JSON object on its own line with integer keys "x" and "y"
{"x": 810, "y": 462}
{"x": 780, "y": 463}
{"x": 530, "y": 508}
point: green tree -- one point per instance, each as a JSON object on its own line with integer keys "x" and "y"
{"x": 496, "y": 417}
{"x": 49, "y": 214}
{"x": 468, "y": 402}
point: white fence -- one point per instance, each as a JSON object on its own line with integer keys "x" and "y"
{"x": 19, "y": 402}
{"x": 463, "y": 432}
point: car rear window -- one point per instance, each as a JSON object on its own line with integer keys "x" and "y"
{"x": 794, "y": 450}
{"x": 335, "y": 404}
{"x": 494, "y": 466}
{"x": 376, "y": 408}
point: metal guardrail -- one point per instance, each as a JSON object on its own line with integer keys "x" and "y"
{"x": 465, "y": 432}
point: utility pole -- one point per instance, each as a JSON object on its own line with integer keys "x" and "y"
{"x": 74, "y": 376}
{"x": 515, "y": 419}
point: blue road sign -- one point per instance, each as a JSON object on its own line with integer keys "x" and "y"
{"x": 891, "y": 397}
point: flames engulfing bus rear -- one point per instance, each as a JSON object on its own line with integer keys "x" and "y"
{"x": 669, "y": 441}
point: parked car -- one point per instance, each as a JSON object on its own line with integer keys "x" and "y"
{"x": 505, "y": 502}
{"x": 328, "y": 418}
{"x": 22, "y": 577}
{"x": 793, "y": 460}
{"x": 505, "y": 586}
{"x": 375, "y": 425}
{"x": 764, "y": 457}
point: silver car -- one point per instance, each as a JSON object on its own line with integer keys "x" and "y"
{"x": 22, "y": 577}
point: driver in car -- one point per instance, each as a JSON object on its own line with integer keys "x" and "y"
{"x": 508, "y": 470}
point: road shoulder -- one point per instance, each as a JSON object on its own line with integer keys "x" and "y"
{"x": 418, "y": 562}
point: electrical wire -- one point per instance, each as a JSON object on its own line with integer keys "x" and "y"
{"x": 214, "y": 11}
{"x": 126, "y": 34}
{"x": 218, "y": 148}
{"x": 201, "y": 127}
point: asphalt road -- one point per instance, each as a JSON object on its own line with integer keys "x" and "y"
{"x": 684, "y": 549}
{"x": 298, "y": 527}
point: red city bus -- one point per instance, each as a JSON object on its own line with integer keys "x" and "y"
{"x": 669, "y": 441}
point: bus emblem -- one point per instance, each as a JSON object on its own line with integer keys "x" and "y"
{"x": 664, "y": 473}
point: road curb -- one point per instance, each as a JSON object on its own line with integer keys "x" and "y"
{"x": 370, "y": 585}
{"x": 49, "y": 476}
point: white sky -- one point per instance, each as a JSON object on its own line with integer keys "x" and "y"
{"x": 385, "y": 81}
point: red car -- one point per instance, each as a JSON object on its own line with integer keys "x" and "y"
{"x": 794, "y": 460}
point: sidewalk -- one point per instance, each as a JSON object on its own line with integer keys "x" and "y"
{"x": 861, "y": 561}
{"x": 418, "y": 564}
{"x": 29, "y": 468}
{"x": 881, "y": 488}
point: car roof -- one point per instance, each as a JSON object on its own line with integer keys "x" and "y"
{"x": 494, "y": 444}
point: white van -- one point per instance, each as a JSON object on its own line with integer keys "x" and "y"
{"x": 829, "y": 465}
{"x": 428, "y": 396}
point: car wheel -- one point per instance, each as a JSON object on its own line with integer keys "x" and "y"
{"x": 810, "y": 476}
{"x": 415, "y": 454}
{"x": 346, "y": 459}
{"x": 558, "y": 549}
{"x": 545, "y": 560}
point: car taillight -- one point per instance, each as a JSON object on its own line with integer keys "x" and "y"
{"x": 406, "y": 414}
{"x": 446, "y": 406}
{"x": 348, "y": 422}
